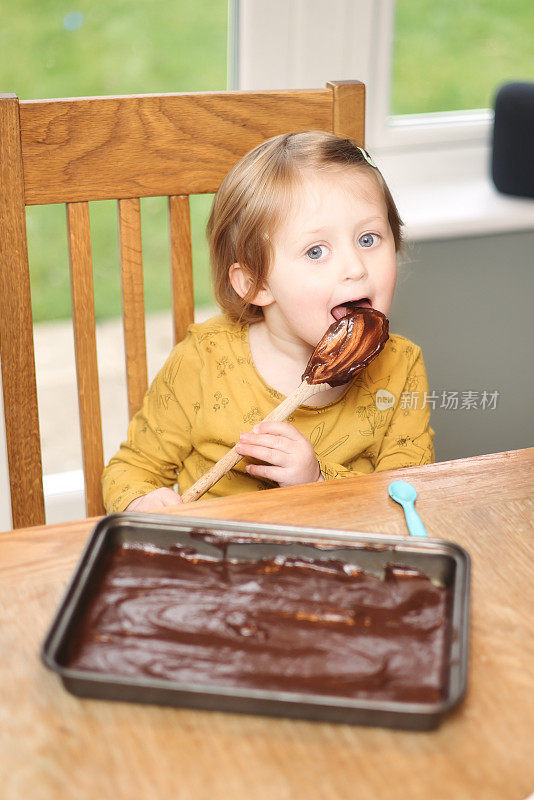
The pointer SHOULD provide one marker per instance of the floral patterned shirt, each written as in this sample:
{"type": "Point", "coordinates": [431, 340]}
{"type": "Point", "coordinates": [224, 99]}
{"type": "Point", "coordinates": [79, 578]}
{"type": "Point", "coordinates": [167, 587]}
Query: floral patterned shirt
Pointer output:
{"type": "Point", "coordinates": [208, 392]}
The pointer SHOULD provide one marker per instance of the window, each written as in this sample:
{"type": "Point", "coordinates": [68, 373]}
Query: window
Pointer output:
{"type": "Point", "coordinates": [438, 65]}
{"type": "Point", "coordinates": [451, 56]}
{"type": "Point", "coordinates": [120, 47]}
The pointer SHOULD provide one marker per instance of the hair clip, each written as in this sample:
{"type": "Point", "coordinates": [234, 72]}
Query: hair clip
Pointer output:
{"type": "Point", "coordinates": [367, 157]}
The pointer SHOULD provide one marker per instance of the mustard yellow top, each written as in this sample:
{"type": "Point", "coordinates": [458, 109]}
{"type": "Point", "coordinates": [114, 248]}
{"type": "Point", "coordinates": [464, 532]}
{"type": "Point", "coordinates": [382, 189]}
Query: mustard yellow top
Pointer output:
{"type": "Point", "coordinates": [208, 392]}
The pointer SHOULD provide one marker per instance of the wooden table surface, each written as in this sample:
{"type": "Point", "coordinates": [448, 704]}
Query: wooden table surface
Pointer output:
{"type": "Point", "coordinates": [54, 745]}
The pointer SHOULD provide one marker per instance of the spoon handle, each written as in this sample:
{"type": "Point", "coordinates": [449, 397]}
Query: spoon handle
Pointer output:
{"type": "Point", "coordinates": [230, 459]}
{"type": "Point", "coordinates": [414, 521]}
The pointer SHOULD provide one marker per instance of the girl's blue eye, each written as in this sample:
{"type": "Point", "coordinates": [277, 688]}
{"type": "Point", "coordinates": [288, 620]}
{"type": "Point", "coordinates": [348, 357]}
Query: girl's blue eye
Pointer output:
{"type": "Point", "coordinates": [316, 252]}
{"type": "Point", "coordinates": [368, 240]}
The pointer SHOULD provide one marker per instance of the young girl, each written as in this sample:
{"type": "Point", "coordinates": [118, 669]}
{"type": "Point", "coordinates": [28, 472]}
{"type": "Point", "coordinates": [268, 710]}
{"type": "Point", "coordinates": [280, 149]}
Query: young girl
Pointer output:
{"type": "Point", "coordinates": [302, 229]}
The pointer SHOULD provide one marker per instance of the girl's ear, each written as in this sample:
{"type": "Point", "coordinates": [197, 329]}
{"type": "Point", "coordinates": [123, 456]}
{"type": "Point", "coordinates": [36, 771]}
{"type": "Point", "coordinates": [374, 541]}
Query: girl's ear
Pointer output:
{"type": "Point", "coordinates": [241, 282]}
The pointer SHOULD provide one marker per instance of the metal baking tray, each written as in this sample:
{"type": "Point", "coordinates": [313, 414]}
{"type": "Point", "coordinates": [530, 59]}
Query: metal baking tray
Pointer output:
{"type": "Point", "coordinates": [442, 561]}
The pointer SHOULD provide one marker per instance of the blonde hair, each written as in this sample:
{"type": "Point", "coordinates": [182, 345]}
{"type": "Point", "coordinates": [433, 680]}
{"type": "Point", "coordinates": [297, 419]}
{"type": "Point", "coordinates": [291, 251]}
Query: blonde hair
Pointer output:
{"type": "Point", "coordinates": [253, 199]}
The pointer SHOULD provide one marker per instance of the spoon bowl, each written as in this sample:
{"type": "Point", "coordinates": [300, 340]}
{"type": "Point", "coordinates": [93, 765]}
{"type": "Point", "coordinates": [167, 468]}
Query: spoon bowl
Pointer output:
{"type": "Point", "coordinates": [402, 492]}
{"type": "Point", "coordinates": [405, 494]}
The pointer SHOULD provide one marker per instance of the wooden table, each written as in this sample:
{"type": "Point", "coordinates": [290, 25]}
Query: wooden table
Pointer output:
{"type": "Point", "coordinates": [54, 745]}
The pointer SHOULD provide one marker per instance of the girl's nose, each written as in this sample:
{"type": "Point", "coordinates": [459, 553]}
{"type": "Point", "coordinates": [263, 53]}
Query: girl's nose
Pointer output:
{"type": "Point", "coordinates": [354, 267]}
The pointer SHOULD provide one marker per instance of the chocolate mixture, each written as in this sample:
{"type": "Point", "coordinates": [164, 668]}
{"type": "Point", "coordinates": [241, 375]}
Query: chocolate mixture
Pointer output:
{"type": "Point", "coordinates": [292, 624]}
{"type": "Point", "coordinates": [348, 346]}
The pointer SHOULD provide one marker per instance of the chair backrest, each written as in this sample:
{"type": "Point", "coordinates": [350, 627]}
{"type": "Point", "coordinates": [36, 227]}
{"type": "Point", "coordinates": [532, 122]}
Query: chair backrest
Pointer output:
{"type": "Point", "coordinates": [78, 150]}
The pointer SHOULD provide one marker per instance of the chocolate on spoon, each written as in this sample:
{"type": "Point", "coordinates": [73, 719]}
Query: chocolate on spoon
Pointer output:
{"type": "Point", "coordinates": [348, 346]}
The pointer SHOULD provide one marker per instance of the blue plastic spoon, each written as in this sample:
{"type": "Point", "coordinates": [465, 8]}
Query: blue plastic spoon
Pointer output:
{"type": "Point", "coordinates": [404, 493]}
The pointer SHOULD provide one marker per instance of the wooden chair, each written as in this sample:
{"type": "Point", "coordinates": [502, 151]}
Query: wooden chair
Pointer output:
{"type": "Point", "coordinates": [97, 148]}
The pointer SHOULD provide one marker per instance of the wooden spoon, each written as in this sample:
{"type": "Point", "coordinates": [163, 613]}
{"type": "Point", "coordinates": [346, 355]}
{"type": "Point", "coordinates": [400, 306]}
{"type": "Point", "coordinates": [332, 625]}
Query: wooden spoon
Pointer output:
{"type": "Point", "coordinates": [348, 346]}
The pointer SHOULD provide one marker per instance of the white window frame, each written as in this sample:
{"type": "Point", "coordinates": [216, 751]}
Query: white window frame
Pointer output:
{"type": "Point", "coordinates": [251, 20]}
{"type": "Point", "coordinates": [387, 132]}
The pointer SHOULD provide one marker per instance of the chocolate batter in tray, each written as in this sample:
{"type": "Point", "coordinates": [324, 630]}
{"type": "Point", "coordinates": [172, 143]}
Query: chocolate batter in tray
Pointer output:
{"type": "Point", "coordinates": [283, 623]}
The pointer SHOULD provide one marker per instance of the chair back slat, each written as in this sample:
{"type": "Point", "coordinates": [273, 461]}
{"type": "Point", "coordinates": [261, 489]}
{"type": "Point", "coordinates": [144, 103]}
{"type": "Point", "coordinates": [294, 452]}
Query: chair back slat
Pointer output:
{"type": "Point", "coordinates": [16, 331]}
{"type": "Point", "coordinates": [83, 313]}
{"type": "Point", "coordinates": [183, 303]}
{"type": "Point", "coordinates": [133, 302]}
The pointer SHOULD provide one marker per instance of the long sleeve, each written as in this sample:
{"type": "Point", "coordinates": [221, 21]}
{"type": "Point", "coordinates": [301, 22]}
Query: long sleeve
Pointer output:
{"type": "Point", "coordinates": [159, 435]}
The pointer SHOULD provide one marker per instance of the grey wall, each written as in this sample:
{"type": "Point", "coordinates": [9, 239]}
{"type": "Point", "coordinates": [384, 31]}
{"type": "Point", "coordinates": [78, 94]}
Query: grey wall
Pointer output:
{"type": "Point", "coordinates": [469, 304]}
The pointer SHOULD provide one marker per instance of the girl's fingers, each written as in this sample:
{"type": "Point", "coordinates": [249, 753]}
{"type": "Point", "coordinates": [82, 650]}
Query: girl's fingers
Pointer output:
{"type": "Point", "coordinates": [169, 500]}
{"type": "Point", "coordinates": [260, 452]}
{"type": "Point", "coordinates": [158, 498]}
{"type": "Point", "coordinates": [270, 441]}
{"type": "Point", "coordinates": [284, 429]}
{"type": "Point", "coordinates": [265, 471]}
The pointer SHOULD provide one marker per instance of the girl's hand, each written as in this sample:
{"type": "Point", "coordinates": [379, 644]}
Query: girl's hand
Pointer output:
{"type": "Point", "coordinates": [279, 444]}
{"type": "Point", "coordinates": [156, 499]}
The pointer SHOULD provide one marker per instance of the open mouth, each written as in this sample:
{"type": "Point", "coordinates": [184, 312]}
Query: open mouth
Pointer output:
{"type": "Point", "coordinates": [341, 310]}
